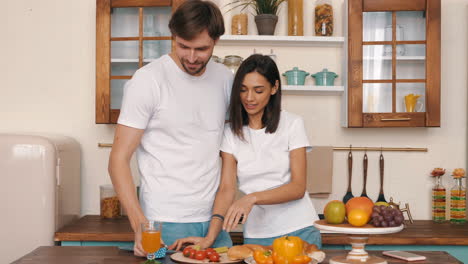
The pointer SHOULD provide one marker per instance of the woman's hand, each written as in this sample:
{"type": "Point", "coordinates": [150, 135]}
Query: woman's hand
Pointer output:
{"type": "Point", "coordinates": [203, 242]}
{"type": "Point", "coordinates": [239, 209]}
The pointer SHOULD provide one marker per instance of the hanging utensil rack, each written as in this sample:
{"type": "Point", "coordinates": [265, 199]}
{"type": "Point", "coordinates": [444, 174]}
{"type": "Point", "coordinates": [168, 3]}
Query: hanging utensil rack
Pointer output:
{"type": "Point", "coordinates": [379, 149]}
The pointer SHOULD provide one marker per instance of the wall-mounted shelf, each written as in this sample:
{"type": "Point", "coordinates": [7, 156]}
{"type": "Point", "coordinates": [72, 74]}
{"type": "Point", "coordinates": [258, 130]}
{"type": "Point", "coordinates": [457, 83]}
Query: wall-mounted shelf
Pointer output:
{"type": "Point", "coordinates": [269, 40]}
{"type": "Point", "coordinates": [313, 90]}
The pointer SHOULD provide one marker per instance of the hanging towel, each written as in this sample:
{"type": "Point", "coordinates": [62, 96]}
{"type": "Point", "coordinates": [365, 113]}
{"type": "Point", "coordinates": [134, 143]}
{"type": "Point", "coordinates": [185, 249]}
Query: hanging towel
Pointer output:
{"type": "Point", "coordinates": [320, 171]}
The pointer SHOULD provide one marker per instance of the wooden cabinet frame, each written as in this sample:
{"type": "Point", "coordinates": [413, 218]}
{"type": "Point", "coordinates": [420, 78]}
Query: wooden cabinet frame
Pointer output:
{"type": "Point", "coordinates": [104, 113]}
{"type": "Point", "coordinates": [356, 117]}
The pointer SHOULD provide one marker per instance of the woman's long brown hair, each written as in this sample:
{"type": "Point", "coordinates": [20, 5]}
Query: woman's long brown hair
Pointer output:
{"type": "Point", "coordinates": [238, 117]}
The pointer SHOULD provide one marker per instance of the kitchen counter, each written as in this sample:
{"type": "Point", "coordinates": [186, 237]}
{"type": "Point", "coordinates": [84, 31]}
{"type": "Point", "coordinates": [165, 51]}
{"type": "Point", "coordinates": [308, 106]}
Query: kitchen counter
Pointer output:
{"type": "Point", "coordinates": [421, 232]}
{"type": "Point", "coordinates": [107, 255]}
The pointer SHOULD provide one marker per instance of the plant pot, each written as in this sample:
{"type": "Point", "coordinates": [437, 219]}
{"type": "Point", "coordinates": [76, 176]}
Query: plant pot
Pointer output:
{"type": "Point", "coordinates": [266, 24]}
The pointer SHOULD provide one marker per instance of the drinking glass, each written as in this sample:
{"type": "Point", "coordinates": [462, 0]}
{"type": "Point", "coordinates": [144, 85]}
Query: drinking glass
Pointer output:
{"type": "Point", "coordinates": [151, 237]}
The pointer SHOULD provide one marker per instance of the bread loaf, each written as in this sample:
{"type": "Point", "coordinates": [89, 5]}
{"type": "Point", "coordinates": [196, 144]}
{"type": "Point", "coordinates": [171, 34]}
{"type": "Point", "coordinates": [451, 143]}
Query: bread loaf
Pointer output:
{"type": "Point", "coordinates": [309, 248]}
{"type": "Point", "coordinates": [243, 251]}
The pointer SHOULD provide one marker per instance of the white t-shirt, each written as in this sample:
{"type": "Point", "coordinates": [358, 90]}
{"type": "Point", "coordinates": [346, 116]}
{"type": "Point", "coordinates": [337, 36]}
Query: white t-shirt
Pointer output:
{"type": "Point", "coordinates": [262, 164]}
{"type": "Point", "coordinates": [183, 117]}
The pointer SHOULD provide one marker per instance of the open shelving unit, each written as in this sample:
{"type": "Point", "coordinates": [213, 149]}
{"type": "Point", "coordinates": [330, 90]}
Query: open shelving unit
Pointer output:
{"type": "Point", "coordinates": [274, 40]}
{"type": "Point", "coordinates": [313, 89]}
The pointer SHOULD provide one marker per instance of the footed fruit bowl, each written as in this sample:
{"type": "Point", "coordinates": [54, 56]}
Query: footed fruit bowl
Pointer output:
{"type": "Point", "coordinates": [358, 238]}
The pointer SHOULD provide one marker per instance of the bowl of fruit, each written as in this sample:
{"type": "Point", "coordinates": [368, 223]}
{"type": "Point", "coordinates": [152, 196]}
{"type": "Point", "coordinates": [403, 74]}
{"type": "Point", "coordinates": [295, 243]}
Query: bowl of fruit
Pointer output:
{"type": "Point", "coordinates": [360, 216]}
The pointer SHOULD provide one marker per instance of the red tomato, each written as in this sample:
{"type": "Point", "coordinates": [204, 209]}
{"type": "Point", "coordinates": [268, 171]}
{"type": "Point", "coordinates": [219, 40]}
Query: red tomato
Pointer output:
{"type": "Point", "coordinates": [214, 257]}
{"type": "Point", "coordinates": [192, 253]}
{"type": "Point", "coordinates": [200, 255]}
{"type": "Point", "coordinates": [186, 252]}
{"type": "Point", "coordinates": [209, 251]}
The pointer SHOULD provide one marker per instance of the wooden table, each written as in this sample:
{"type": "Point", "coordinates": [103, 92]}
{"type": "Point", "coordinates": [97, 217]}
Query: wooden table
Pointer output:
{"type": "Point", "coordinates": [425, 235]}
{"type": "Point", "coordinates": [112, 255]}
{"type": "Point", "coordinates": [422, 232]}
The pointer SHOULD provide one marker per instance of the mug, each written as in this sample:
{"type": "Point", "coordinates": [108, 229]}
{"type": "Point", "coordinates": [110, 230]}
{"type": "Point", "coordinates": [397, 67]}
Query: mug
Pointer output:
{"type": "Point", "coordinates": [412, 104]}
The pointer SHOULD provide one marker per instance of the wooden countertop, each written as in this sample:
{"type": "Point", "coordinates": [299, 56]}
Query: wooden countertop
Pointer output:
{"type": "Point", "coordinates": [107, 255]}
{"type": "Point", "coordinates": [421, 232]}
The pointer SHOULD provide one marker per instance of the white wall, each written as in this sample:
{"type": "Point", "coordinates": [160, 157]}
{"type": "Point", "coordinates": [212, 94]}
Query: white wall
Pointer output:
{"type": "Point", "coordinates": [48, 85]}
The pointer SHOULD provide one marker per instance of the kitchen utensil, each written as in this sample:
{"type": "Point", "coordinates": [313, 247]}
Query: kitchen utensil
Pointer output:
{"type": "Point", "coordinates": [349, 193]}
{"type": "Point", "coordinates": [295, 76]}
{"type": "Point", "coordinates": [324, 78]}
{"type": "Point", "coordinates": [381, 197]}
{"type": "Point", "coordinates": [364, 193]}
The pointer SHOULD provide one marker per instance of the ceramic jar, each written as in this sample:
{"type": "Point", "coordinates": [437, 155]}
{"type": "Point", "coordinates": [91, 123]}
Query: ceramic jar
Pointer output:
{"type": "Point", "coordinates": [324, 78]}
{"type": "Point", "coordinates": [295, 76]}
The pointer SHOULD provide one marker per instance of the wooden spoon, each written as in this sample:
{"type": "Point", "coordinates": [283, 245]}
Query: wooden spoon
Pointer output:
{"type": "Point", "coordinates": [364, 193]}
{"type": "Point", "coordinates": [349, 193]}
{"type": "Point", "coordinates": [381, 197]}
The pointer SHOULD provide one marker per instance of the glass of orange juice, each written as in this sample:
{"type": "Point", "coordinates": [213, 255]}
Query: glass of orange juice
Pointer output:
{"type": "Point", "coordinates": [151, 237]}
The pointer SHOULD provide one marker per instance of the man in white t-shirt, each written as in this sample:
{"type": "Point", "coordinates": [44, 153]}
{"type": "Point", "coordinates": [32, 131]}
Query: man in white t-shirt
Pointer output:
{"type": "Point", "coordinates": [172, 115]}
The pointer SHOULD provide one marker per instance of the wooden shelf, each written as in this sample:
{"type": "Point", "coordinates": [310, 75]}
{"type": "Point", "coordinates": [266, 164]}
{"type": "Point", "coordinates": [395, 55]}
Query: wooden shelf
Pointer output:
{"type": "Point", "coordinates": [305, 41]}
{"type": "Point", "coordinates": [313, 89]}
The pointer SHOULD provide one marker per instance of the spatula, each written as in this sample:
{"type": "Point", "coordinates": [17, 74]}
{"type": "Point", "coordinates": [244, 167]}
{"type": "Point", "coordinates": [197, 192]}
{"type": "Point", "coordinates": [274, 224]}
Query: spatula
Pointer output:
{"type": "Point", "coordinates": [364, 193]}
{"type": "Point", "coordinates": [349, 193]}
{"type": "Point", "coordinates": [381, 197]}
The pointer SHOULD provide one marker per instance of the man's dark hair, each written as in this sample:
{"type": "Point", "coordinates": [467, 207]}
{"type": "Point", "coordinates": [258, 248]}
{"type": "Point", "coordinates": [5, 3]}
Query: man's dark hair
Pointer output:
{"type": "Point", "coordinates": [194, 16]}
{"type": "Point", "coordinates": [238, 117]}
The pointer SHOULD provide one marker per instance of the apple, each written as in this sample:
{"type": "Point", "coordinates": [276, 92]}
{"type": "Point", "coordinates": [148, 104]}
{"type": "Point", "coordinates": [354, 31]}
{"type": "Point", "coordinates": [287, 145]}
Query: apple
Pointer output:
{"type": "Point", "coordinates": [335, 212]}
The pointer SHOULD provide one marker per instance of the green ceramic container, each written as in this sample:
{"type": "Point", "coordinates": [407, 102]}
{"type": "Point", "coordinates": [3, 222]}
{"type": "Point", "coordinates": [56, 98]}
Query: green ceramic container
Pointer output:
{"type": "Point", "coordinates": [295, 76]}
{"type": "Point", "coordinates": [324, 78]}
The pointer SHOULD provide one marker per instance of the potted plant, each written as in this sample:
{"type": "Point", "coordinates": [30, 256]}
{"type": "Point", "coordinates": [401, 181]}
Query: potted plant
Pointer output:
{"type": "Point", "coordinates": [266, 13]}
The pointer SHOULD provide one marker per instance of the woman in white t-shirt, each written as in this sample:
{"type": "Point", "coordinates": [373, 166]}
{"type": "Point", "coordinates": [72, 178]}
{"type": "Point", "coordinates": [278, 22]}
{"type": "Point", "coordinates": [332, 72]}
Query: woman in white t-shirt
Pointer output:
{"type": "Point", "coordinates": [264, 154]}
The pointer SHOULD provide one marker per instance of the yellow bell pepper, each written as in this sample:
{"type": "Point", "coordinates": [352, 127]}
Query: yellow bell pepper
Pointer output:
{"type": "Point", "coordinates": [287, 247]}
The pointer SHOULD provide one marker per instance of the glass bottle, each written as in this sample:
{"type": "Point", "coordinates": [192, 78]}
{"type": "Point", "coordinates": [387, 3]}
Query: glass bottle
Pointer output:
{"type": "Point", "coordinates": [458, 202]}
{"type": "Point", "coordinates": [438, 201]}
{"type": "Point", "coordinates": [295, 18]}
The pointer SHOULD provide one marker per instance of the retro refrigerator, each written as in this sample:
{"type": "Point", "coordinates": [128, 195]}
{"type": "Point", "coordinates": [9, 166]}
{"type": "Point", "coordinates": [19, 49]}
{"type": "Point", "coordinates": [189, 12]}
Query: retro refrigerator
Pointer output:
{"type": "Point", "coordinates": [39, 190]}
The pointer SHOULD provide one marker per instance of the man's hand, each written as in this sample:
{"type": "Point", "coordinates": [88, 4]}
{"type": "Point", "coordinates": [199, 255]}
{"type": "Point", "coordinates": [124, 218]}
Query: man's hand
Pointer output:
{"type": "Point", "coordinates": [138, 248]}
{"type": "Point", "coordinates": [201, 241]}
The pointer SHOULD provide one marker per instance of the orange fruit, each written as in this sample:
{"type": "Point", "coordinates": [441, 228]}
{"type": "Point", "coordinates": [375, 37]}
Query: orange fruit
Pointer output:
{"type": "Point", "coordinates": [362, 203]}
{"type": "Point", "coordinates": [335, 212]}
{"type": "Point", "coordinates": [358, 217]}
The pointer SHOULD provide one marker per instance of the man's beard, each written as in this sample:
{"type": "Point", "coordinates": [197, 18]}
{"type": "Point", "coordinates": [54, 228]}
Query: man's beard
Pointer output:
{"type": "Point", "coordinates": [203, 66]}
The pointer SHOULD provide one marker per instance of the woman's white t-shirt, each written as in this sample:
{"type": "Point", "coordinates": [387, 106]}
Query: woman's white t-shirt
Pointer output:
{"type": "Point", "coordinates": [263, 163]}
